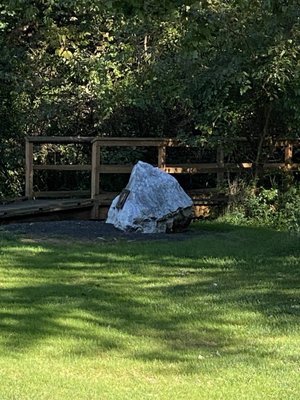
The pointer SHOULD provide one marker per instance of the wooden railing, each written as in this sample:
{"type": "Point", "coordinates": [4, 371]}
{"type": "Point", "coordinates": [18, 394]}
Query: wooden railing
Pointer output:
{"type": "Point", "coordinates": [94, 166]}
{"type": "Point", "coordinates": [30, 167]}
{"type": "Point", "coordinates": [97, 168]}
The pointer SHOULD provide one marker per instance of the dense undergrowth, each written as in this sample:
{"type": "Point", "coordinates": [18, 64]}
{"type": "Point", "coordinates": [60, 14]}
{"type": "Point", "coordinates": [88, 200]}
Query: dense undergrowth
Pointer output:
{"type": "Point", "coordinates": [265, 207]}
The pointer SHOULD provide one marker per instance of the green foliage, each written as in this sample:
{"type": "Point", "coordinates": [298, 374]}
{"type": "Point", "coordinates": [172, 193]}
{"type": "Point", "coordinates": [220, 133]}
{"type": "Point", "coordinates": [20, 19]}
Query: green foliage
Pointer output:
{"type": "Point", "coordinates": [289, 210]}
{"type": "Point", "coordinates": [266, 207]}
{"type": "Point", "coordinates": [261, 207]}
{"type": "Point", "coordinates": [201, 71]}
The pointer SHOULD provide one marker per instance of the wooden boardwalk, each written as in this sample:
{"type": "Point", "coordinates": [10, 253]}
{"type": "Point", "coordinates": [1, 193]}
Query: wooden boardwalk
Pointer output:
{"type": "Point", "coordinates": [33, 209]}
{"type": "Point", "coordinates": [43, 209]}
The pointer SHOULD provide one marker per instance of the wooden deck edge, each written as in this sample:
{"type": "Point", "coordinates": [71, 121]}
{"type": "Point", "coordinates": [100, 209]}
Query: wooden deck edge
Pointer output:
{"type": "Point", "coordinates": [47, 208]}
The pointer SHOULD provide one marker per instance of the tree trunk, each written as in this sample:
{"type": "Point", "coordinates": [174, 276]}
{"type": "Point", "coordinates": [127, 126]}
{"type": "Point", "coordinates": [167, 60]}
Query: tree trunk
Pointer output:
{"type": "Point", "coordinates": [263, 136]}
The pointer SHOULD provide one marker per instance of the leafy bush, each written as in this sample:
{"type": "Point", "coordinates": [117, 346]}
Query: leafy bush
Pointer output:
{"type": "Point", "coordinates": [261, 207]}
{"type": "Point", "coordinates": [288, 216]}
{"type": "Point", "coordinates": [265, 207]}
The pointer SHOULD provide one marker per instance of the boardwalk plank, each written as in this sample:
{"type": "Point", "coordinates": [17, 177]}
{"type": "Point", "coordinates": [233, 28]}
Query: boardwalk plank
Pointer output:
{"type": "Point", "coordinates": [33, 207]}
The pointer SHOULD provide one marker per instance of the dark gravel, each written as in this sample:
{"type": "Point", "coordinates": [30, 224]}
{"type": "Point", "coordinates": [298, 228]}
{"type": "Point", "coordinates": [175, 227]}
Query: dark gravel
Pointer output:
{"type": "Point", "coordinates": [96, 231]}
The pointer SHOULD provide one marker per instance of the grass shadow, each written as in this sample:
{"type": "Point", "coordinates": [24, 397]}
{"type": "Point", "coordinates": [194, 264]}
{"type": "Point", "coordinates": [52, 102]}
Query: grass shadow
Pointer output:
{"type": "Point", "coordinates": [178, 300]}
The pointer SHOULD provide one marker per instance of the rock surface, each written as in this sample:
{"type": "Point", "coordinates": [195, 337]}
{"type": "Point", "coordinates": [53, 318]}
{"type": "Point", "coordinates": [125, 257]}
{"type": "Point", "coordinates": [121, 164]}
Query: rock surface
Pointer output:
{"type": "Point", "coordinates": [153, 202]}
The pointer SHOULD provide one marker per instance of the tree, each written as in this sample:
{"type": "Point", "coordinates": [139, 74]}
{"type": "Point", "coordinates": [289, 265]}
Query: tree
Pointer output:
{"type": "Point", "coordinates": [203, 71]}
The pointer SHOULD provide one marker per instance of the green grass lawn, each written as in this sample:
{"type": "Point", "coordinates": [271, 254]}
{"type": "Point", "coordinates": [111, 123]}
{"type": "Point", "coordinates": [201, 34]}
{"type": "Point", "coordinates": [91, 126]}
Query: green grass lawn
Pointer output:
{"type": "Point", "coordinates": [212, 317]}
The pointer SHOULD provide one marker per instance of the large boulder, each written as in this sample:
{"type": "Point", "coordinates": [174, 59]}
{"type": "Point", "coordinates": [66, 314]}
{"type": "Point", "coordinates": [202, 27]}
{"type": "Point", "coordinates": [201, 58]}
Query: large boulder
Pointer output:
{"type": "Point", "coordinates": [153, 202]}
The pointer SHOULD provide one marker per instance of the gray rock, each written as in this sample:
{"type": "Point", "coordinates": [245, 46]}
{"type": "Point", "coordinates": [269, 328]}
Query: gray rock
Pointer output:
{"type": "Point", "coordinates": [153, 202]}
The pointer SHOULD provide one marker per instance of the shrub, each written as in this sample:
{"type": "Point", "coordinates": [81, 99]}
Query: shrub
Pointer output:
{"type": "Point", "coordinates": [288, 216]}
{"type": "Point", "coordinates": [265, 207]}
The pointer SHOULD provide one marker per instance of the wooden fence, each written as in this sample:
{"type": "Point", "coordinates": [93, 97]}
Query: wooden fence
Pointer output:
{"type": "Point", "coordinates": [96, 167]}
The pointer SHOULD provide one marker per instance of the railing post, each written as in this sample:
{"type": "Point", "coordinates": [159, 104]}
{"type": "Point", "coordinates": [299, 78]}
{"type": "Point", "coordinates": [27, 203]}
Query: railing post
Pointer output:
{"type": "Point", "coordinates": [162, 153]}
{"type": "Point", "coordinates": [28, 169]}
{"type": "Point", "coordinates": [220, 162]}
{"type": "Point", "coordinates": [288, 161]}
{"type": "Point", "coordinates": [288, 155]}
{"type": "Point", "coordinates": [95, 178]}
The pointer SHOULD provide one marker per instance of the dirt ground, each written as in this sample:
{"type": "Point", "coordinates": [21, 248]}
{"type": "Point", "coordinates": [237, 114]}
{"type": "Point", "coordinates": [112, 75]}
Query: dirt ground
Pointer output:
{"type": "Point", "coordinates": [92, 231]}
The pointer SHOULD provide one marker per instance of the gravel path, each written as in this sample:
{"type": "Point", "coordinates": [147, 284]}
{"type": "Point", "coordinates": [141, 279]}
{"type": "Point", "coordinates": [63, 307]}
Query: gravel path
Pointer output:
{"type": "Point", "coordinates": [95, 231]}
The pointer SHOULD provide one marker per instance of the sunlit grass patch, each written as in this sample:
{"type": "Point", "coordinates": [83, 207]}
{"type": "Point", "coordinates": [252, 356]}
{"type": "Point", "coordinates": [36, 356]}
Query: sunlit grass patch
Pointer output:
{"type": "Point", "coordinates": [212, 317]}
